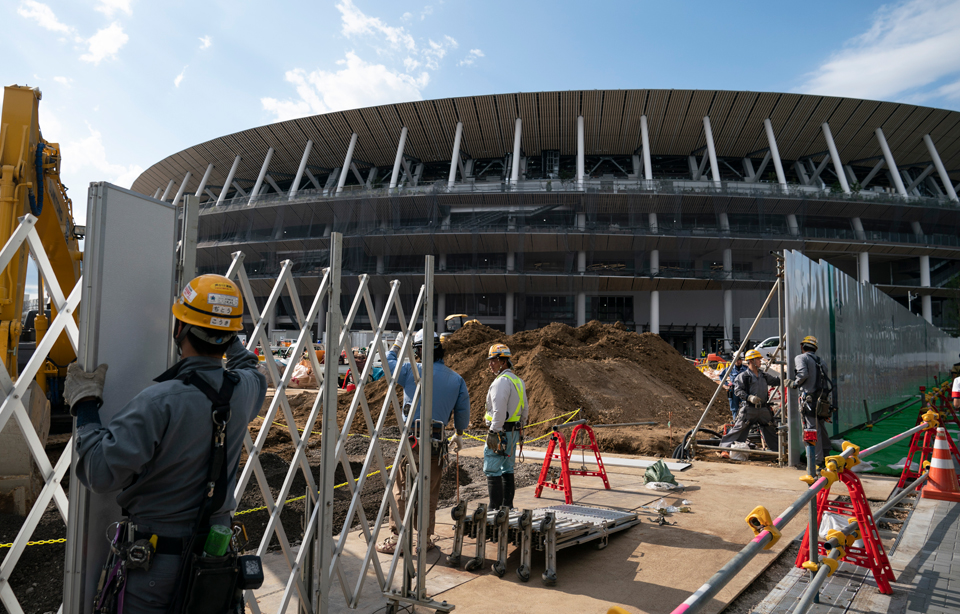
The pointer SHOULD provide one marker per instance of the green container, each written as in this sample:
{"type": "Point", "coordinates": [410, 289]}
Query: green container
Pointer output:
{"type": "Point", "coordinates": [218, 539]}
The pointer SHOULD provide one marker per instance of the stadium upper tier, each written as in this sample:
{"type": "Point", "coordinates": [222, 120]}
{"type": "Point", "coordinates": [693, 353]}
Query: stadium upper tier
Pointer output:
{"type": "Point", "coordinates": [581, 139]}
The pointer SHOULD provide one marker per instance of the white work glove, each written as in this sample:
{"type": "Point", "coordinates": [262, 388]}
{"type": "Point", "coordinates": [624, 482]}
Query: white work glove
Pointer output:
{"type": "Point", "coordinates": [398, 341]}
{"type": "Point", "coordinates": [790, 383]}
{"type": "Point", "coordinates": [80, 385]}
{"type": "Point", "coordinates": [456, 442]}
{"type": "Point", "coordinates": [754, 400]}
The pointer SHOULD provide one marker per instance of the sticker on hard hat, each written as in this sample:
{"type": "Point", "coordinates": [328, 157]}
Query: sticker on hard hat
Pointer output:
{"type": "Point", "coordinates": [219, 322]}
{"type": "Point", "coordinates": [222, 299]}
{"type": "Point", "coordinates": [219, 285]}
{"type": "Point", "coordinates": [221, 309]}
{"type": "Point", "coordinates": [189, 293]}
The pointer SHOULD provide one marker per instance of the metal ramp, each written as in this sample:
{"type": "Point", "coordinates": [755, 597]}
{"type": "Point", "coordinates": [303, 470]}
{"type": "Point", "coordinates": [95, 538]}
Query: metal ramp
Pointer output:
{"type": "Point", "coordinates": [546, 530]}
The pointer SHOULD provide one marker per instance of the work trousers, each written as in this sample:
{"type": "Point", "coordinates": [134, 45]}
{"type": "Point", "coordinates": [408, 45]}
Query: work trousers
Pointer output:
{"type": "Point", "coordinates": [734, 406]}
{"type": "Point", "coordinates": [436, 473]}
{"type": "Point", "coordinates": [495, 465]}
{"type": "Point", "coordinates": [150, 592]}
{"type": "Point", "coordinates": [808, 415]}
{"type": "Point", "coordinates": [747, 417]}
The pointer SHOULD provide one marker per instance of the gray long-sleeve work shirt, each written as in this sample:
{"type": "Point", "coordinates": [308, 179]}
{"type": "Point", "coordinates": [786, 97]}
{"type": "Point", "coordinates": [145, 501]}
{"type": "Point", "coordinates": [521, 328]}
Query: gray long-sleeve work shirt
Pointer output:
{"type": "Point", "coordinates": [748, 384]}
{"type": "Point", "coordinates": [157, 447]}
{"type": "Point", "coordinates": [805, 366]}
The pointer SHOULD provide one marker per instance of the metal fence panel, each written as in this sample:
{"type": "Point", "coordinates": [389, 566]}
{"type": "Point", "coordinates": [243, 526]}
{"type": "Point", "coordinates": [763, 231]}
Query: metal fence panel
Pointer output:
{"type": "Point", "coordinates": [877, 351]}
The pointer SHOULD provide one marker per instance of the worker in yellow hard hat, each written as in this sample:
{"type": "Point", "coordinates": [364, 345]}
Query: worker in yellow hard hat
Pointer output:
{"type": "Point", "coordinates": [507, 410]}
{"type": "Point", "coordinates": [173, 453]}
{"type": "Point", "coordinates": [752, 387]}
{"type": "Point", "coordinates": [816, 409]}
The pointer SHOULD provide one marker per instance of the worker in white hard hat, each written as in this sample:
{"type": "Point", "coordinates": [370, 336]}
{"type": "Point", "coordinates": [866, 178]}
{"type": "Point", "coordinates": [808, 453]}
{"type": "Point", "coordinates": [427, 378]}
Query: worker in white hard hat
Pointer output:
{"type": "Point", "coordinates": [173, 454]}
{"type": "Point", "coordinates": [450, 400]}
{"type": "Point", "coordinates": [752, 388]}
{"type": "Point", "coordinates": [814, 385]}
{"type": "Point", "coordinates": [507, 411]}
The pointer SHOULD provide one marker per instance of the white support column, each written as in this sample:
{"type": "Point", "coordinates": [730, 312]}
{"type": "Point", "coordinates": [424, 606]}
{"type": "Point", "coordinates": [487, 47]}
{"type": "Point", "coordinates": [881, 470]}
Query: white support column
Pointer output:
{"type": "Point", "coordinates": [727, 320]}
{"type": "Point", "coordinates": [300, 169]}
{"type": "Point", "coordinates": [711, 151]}
{"type": "Point", "coordinates": [229, 181]}
{"type": "Point", "coordinates": [793, 225]}
{"type": "Point", "coordinates": [774, 152]}
{"type": "Point", "coordinates": [654, 262]}
{"type": "Point", "coordinates": [255, 192]}
{"type": "Point", "coordinates": [581, 308]}
{"type": "Point", "coordinates": [580, 152]}
{"type": "Point", "coordinates": [156, 195]}
{"type": "Point", "coordinates": [441, 312]}
{"type": "Point", "coordinates": [322, 319]}
{"type": "Point", "coordinates": [581, 221]}
{"type": "Point", "coordinates": [166, 192]}
{"type": "Point", "coordinates": [509, 314]}
{"type": "Point", "coordinates": [835, 157]}
{"type": "Point", "coordinates": [926, 302]}
{"type": "Point", "coordinates": [441, 262]}
{"type": "Point", "coordinates": [347, 160]}
{"type": "Point", "coordinates": [891, 163]}
{"type": "Point", "coordinates": [863, 261]}
{"type": "Point", "coordinates": [655, 312]}
{"type": "Point", "coordinates": [399, 159]}
{"type": "Point", "coordinates": [581, 262]}
{"type": "Point", "coordinates": [515, 159]}
{"type": "Point", "coordinates": [728, 263]}
{"type": "Point", "coordinates": [916, 228]}
{"type": "Point", "coordinates": [511, 262]}
{"type": "Point", "coordinates": [645, 139]}
{"type": "Point", "coordinates": [941, 170]}
{"type": "Point", "coordinates": [858, 229]}
{"type": "Point", "coordinates": [652, 221]}
{"type": "Point", "coordinates": [380, 265]}
{"type": "Point", "coordinates": [724, 220]}
{"type": "Point", "coordinates": [203, 180]}
{"type": "Point", "coordinates": [183, 188]}
{"type": "Point", "coordinates": [455, 157]}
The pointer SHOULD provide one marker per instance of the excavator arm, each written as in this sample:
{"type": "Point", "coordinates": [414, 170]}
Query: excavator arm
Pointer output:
{"type": "Point", "coordinates": [30, 183]}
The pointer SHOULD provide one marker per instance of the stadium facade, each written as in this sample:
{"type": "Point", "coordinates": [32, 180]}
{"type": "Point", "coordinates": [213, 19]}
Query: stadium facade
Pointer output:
{"type": "Point", "coordinates": [657, 208]}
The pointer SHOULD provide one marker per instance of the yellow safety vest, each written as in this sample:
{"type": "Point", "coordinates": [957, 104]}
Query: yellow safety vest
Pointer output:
{"type": "Point", "coordinates": [518, 384]}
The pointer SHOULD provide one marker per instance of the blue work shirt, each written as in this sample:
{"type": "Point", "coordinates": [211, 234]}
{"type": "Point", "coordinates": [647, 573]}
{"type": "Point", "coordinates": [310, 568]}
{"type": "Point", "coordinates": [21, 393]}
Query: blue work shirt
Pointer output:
{"type": "Point", "coordinates": [450, 394]}
{"type": "Point", "coordinates": [730, 373]}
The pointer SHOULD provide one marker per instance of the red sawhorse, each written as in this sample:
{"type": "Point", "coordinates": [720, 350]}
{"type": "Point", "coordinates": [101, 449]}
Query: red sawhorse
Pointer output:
{"type": "Point", "coordinates": [922, 442]}
{"type": "Point", "coordinates": [870, 554]}
{"type": "Point", "coordinates": [563, 455]}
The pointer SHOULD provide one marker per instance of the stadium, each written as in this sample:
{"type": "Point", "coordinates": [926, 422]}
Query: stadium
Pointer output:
{"type": "Point", "coordinates": [656, 208]}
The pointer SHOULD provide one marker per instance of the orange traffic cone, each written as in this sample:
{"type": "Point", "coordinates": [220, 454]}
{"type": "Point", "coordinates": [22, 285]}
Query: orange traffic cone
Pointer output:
{"type": "Point", "coordinates": [942, 483]}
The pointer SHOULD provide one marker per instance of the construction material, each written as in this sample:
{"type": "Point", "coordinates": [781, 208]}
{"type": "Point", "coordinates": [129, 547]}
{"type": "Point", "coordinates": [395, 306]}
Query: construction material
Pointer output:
{"type": "Point", "coordinates": [634, 463]}
{"type": "Point", "coordinates": [547, 530]}
{"type": "Point", "coordinates": [563, 483]}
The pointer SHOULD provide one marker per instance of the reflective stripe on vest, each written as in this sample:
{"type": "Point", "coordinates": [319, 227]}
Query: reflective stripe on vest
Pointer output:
{"type": "Point", "coordinates": [516, 384]}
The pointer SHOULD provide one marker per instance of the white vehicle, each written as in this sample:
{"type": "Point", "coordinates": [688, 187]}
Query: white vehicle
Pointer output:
{"type": "Point", "coordinates": [767, 347]}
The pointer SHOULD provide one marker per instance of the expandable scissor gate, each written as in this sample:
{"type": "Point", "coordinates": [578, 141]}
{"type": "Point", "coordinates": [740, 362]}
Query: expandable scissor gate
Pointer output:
{"type": "Point", "coordinates": [318, 561]}
{"type": "Point", "coordinates": [546, 529]}
{"type": "Point", "coordinates": [13, 405]}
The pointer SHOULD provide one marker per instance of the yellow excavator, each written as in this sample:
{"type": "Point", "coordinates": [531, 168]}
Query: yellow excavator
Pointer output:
{"type": "Point", "coordinates": [30, 183]}
{"type": "Point", "coordinates": [454, 323]}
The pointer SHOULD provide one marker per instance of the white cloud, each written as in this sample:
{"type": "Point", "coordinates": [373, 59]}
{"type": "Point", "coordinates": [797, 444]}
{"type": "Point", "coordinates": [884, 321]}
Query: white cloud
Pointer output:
{"type": "Point", "coordinates": [437, 51]}
{"type": "Point", "coordinates": [64, 81]}
{"type": "Point", "coordinates": [908, 46]}
{"type": "Point", "coordinates": [356, 84]}
{"type": "Point", "coordinates": [427, 10]}
{"type": "Point", "coordinates": [410, 64]}
{"type": "Point", "coordinates": [179, 78]}
{"type": "Point", "coordinates": [43, 15]}
{"type": "Point", "coordinates": [406, 16]}
{"type": "Point", "coordinates": [471, 57]}
{"type": "Point", "coordinates": [90, 152]}
{"type": "Point", "coordinates": [109, 7]}
{"type": "Point", "coordinates": [356, 22]}
{"type": "Point", "coordinates": [105, 43]}
{"type": "Point", "coordinates": [205, 42]}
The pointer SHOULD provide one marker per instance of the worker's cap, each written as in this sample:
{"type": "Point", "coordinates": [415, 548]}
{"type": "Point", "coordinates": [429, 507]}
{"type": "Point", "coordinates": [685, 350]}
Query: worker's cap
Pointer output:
{"type": "Point", "coordinates": [498, 350]}
{"type": "Point", "coordinates": [751, 354]}
{"type": "Point", "coordinates": [212, 302]}
{"type": "Point", "coordinates": [418, 339]}
{"type": "Point", "coordinates": [811, 341]}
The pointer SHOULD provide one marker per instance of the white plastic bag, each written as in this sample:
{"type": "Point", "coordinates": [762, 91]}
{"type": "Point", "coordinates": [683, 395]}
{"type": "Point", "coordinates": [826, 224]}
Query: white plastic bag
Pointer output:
{"type": "Point", "coordinates": [740, 456]}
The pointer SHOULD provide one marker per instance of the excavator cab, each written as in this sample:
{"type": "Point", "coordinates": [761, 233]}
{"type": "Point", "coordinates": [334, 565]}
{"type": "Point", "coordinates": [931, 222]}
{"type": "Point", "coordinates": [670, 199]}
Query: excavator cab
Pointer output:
{"type": "Point", "coordinates": [455, 322]}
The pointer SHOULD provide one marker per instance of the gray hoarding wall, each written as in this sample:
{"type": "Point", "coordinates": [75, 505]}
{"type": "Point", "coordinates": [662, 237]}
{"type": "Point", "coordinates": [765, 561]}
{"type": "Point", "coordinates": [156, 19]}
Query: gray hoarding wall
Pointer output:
{"type": "Point", "coordinates": [876, 350]}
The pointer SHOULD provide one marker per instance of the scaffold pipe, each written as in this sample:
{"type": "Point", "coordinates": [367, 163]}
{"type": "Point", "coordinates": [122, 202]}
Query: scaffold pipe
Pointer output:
{"type": "Point", "coordinates": [889, 442]}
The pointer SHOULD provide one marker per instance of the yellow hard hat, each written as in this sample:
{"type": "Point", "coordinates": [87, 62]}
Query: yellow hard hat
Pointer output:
{"type": "Point", "coordinates": [810, 340]}
{"type": "Point", "coordinates": [751, 354]}
{"type": "Point", "coordinates": [210, 301]}
{"type": "Point", "coordinates": [498, 350]}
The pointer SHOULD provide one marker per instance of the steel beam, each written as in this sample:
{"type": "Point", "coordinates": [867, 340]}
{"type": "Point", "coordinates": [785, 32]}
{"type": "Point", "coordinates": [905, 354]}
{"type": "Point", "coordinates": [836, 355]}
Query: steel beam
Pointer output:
{"type": "Point", "coordinates": [774, 152]}
{"type": "Point", "coordinates": [229, 181]}
{"type": "Point", "coordinates": [395, 175]}
{"type": "Point", "coordinates": [711, 151]}
{"type": "Point", "coordinates": [645, 139]}
{"type": "Point", "coordinates": [347, 161]}
{"type": "Point", "coordinates": [941, 171]}
{"type": "Point", "coordinates": [920, 178]}
{"type": "Point", "coordinates": [515, 169]}
{"type": "Point", "coordinates": [295, 187]}
{"type": "Point", "coordinates": [183, 188]}
{"type": "Point", "coordinates": [891, 163]}
{"type": "Point", "coordinates": [835, 156]}
{"type": "Point", "coordinates": [255, 192]}
{"type": "Point", "coordinates": [204, 180]}
{"type": "Point", "coordinates": [454, 157]}
{"type": "Point", "coordinates": [580, 152]}
{"type": "Point", "coordinates": [166, 192]}
{"type": "Point", "coordinates": [873, 173]}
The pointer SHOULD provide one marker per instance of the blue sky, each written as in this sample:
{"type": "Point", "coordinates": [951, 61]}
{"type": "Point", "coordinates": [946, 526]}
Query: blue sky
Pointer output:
{"type": "Point", "coordinates": [127, 82]}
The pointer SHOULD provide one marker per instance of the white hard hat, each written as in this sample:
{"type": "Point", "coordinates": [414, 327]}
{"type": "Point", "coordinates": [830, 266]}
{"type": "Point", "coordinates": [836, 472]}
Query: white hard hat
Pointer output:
{"type": "Point", "coordinates": [418, 338]}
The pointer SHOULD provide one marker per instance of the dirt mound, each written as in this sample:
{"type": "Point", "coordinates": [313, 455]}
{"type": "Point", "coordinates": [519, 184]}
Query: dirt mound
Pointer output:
{"type": "Point", "coordinates": [611, 374]}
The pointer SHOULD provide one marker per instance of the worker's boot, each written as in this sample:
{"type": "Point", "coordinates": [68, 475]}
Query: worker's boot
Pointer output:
{"type": "Point", "coordinates": [495, 490]}
{"type": "Point", "coordinates": [509, 488]}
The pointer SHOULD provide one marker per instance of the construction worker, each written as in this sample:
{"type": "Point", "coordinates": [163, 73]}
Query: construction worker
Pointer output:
{"type": "Point", "coordinates": [752, 386]}
{"type": "Point", "coordinates": [955, 391]}
{"type": "Point", "coordinates": [507, 411]}
{"type": "Point", "coordinates": [729, 376]}
{"type": "Point", "coordinates": [160, 450]}
{"type": "Point", "coordinates": [450, 398]}
{"type": "Point", "coordinates": [807, 381]}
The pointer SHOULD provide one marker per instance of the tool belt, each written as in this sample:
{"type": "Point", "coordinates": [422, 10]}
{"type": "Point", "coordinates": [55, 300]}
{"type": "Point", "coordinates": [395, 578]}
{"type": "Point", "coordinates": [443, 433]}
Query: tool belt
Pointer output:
{"type": "Point", "coordinates": [498, 442]}
{"type": "Point", "coordinates": [512, 426]}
